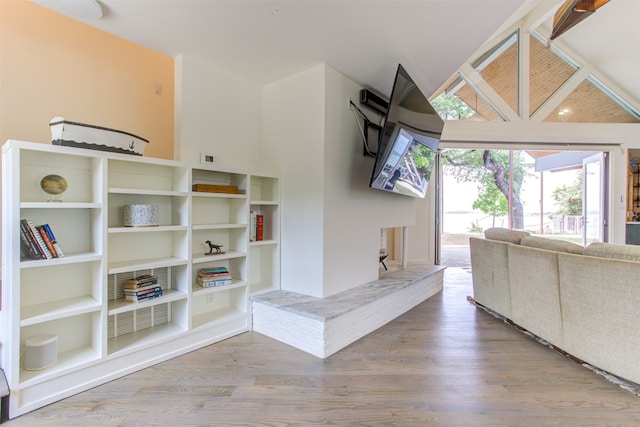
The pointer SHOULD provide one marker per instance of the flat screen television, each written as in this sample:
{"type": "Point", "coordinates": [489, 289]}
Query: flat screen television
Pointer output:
{"type": "Point", "coordinates": [408, 142]}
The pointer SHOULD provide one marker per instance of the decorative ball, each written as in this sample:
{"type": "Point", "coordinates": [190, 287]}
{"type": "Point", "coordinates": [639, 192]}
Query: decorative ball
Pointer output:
{"type": "Point", "coordinates": [53, 184]}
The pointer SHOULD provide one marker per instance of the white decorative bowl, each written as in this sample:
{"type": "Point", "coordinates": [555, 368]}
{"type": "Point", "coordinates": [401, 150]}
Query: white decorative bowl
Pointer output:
{"type": "Point", "coordinates": [140, 215]}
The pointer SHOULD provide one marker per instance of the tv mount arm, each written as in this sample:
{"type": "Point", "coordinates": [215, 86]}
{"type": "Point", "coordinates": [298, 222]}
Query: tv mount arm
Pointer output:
{"type": "Point", "coordinates": [379, 106]}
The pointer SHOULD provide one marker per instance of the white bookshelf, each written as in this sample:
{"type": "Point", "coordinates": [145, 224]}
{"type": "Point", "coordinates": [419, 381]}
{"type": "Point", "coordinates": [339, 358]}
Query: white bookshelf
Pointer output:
{"type": "Point", "coordinates": [79, 297]}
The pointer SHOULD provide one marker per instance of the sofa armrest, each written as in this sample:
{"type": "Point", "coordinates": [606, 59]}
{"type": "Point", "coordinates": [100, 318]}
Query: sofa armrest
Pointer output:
{"type": "Point", "coordinates": [490, 274]}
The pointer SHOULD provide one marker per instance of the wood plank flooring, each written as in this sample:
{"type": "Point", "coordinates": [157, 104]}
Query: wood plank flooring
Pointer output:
{"type": "Point", "coordinates": [444, 363]}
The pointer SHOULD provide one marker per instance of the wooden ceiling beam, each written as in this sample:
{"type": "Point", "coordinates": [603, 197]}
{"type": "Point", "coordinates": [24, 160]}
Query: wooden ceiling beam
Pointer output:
{"type": "Point", "coordinates": [571, 13]}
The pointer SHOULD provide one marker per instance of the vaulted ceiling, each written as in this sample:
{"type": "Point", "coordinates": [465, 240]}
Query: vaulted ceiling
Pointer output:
{"type": "Point", "coordinates": [554, 81]}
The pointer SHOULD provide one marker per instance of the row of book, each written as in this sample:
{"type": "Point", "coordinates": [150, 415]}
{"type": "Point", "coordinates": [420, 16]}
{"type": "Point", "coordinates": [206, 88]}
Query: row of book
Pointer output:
{"type": "Point", "coordinates": [142, 288]}
{"type": "Point", "coordinates": [214, 276]}
{"type": "Point", "coordinates": [38, 241]}
{"type": "Point", "coordinates": [256, 226]}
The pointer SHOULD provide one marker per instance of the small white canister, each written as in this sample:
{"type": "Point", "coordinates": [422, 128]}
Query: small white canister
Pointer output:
{"type": "Point", "coordinates": [40, 352]}
{"type": "Point", "coordinates": [140, 215]}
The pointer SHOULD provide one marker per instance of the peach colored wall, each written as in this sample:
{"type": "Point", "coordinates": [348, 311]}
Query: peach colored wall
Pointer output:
{"type": "Point", "coordinates": [51, 65]}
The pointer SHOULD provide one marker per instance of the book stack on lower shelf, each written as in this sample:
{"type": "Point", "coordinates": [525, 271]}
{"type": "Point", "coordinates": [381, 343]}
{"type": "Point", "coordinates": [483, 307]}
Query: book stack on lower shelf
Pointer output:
{"type": "Point", "coordinates": [142, 288]}
{"type": "Point", "coordinates": [215, 276]}
{"type": "Point", "coordinates": [38, 241]}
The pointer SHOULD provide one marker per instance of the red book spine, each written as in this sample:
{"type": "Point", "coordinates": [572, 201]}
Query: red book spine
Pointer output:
{"type": "Point", "coordinates": [260, 227]}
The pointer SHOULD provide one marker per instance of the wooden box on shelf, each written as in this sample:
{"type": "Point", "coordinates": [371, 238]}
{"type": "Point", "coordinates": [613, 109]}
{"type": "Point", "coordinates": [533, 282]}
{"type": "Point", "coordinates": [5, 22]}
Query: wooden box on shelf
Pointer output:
{"type": "Point", "coordinates": [210, 188]}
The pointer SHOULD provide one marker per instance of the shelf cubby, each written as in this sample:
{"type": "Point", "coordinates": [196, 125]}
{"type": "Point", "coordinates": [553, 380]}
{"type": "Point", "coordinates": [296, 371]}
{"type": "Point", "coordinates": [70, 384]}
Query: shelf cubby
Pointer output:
{"type": "Point", "coordinates": [220, 178]}
{"type": "Point", "coordinates": [217, 307]}
{"type": "Point", "coordinates": [78, 290]}
{"type": "Point", "coordinates": [77, 339]}
{"type": "Point", "coordinates": [82, 173]}
{"type": "Point", "coordinates": [172, 208]}
{"type": "Point", "coordinates": [264, 189]}
{"type": "Point", "coordinates": [230, 240]}
{"type": "Point", "coordinates": [138, 175]}
{"type": "Point", "coordinates": [269, 212]}
{"type": "Point", "coordinates": [77, 230]}
{"type": "Point", "coordinates": [218, 210]}
{"type": "Point", "coordinates": [264, 267]}
{"type": "Point", "coordinates": [141, 245]}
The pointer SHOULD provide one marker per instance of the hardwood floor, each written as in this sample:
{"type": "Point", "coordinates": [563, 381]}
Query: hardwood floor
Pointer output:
{"type": "Point", "coordinates": [444, 363]}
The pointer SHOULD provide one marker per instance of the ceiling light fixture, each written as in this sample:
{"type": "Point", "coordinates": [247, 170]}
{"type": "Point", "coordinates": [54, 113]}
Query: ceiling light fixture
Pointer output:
{"type": "Point", "coordinates": [76, 9]}
{"type": "Point", "coordinates": [573, 12]}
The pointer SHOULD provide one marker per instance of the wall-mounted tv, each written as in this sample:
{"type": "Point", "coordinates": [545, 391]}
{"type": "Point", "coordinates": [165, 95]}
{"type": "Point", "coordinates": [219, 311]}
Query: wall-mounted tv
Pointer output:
{"type": "Point", "coordinates": [408, 142]}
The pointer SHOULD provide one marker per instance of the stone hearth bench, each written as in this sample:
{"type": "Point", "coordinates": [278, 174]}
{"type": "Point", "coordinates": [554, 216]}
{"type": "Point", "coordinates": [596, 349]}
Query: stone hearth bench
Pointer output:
{"type": "Point", "coordinates": [323, 326]}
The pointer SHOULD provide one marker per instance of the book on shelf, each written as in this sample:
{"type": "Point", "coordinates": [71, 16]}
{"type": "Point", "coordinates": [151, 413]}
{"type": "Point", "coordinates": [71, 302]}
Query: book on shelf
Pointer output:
{"type": "Point", "coordinates": [213, 279]}
{"type": "Point", "coordinates": [141, 281]}
{"type": "Point", "coordinates": [144, 297]}
{"type": "Point", "coordinates": [47, 241]}
{"type": "Point", "coordinates": [38, 241]}
{"type": "Point", "coordinates": [213, 283]}
{"type": "Point", "coordinates": [259, 227]}
{"type": "Point", "coordinates": [141, 290]}
{"type": "Point", "coordinates": [256, 226]}
{"type": "Point", "coordinates": [213, 271]}
{"type": "Point", "coordinates": [53, 239]}
{"type": "Point", "coordinates": [28, 247]}
{"type": "Point", "coordinates": [214, 276]}
{"type": "Point", "coordinates": [252, 225]}
{"type": "Point", "coordinates": [35, 238]}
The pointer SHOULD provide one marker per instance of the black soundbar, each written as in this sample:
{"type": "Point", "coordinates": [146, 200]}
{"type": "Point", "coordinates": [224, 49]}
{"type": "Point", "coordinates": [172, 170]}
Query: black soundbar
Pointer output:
{"type": "Point", "coordinates": [373, 101]}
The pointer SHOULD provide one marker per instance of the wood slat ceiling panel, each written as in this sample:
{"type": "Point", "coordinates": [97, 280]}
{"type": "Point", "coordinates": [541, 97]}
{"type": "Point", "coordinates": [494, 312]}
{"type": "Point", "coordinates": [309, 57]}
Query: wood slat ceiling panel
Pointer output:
{"type": "Point", "coordinates": [547, 72]}
{"type": "Point", "coordinates": [588, 104]}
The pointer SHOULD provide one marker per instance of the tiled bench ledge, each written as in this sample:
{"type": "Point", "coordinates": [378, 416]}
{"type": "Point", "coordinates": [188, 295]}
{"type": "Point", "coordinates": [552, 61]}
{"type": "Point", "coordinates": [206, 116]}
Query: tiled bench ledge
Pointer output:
{"type": "Point", "coordinates": [323, 326]}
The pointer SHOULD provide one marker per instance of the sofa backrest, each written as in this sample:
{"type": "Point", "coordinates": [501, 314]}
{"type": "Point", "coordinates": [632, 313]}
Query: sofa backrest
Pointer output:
{"type": "Point", "coordinates": [505, 234]}
{"type": "Point", "coordinates": [552, 245]}
{"type": "Point", "coordinates": [613, 251]}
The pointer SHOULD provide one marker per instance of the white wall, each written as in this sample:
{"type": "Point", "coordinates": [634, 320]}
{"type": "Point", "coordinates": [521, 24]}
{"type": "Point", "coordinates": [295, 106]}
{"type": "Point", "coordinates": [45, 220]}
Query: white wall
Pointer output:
{"type": "Point", "coordinates": [293, 136]}
{"type": "Point", "coordinates": [216, 113]}
{"type": "Point", "coordinates": [331, 220]}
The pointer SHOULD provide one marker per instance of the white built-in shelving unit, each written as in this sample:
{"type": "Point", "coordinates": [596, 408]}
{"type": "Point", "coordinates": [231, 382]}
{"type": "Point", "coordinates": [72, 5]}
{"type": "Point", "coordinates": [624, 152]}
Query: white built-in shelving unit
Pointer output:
{"type": "Point", "coordinates": [79, 297]}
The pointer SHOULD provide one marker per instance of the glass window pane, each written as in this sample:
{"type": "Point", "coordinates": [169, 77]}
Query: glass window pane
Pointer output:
{"type": "Point", "coordinates": [459, 101]}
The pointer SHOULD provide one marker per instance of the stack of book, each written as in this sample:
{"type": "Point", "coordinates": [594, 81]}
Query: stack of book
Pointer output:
{"type": "Point", "coordinates": [214, 276]}
{"type": "Point", "coordinates": [38, 241]}
{"type": "Point", "coordinates": [142, 288]}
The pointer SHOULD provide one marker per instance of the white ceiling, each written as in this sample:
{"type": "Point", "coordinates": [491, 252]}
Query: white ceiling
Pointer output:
{"type": "Point", "coordinates": [264, 40]}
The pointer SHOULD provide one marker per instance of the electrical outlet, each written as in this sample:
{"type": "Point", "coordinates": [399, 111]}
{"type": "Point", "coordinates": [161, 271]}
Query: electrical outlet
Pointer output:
{"type": "Point", "coordinates": [209, 298]}
{"type": "Point", "coordinates": [207, 159]}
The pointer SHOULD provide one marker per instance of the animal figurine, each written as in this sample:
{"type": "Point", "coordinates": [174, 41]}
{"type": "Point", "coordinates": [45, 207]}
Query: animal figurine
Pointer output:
{"type": "Point", "coordinates": [213, 247]}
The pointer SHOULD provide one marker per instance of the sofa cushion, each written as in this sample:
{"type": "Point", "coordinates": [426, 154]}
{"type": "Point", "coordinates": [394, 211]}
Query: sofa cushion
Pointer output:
{"type": "Point", "coordinates": [552, 244]}
{"type": "Point", "coordinates": [505, 234]}
{"type": "Point", "coordinates": [614, 251]}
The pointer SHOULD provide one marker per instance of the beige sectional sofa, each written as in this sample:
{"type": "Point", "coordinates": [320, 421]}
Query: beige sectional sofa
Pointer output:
{"type": "Point", "coordinates": [583, 300]}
